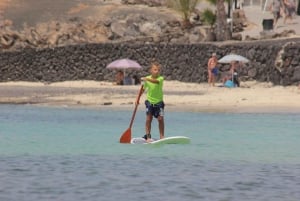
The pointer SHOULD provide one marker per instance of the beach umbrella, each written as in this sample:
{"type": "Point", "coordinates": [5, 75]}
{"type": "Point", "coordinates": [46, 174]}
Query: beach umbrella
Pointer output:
{"type": "Point", "coordinates": [233, 57]}
{"type": "Point", "coordinates": [123, 64]}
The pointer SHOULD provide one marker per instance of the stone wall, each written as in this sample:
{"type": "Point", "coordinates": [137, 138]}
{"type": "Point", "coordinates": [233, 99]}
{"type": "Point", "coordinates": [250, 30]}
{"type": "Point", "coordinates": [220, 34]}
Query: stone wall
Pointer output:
{"type": "Point", "coordinates": [276, 61]}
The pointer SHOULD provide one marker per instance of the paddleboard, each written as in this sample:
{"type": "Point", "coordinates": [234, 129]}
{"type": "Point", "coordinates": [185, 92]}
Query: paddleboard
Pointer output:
{"type": "Point", "coordinates": [166, 140]}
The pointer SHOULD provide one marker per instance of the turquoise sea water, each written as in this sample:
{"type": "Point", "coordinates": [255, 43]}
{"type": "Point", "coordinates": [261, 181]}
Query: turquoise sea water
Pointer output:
{"type": "Point", "coordinates": [73, 154]}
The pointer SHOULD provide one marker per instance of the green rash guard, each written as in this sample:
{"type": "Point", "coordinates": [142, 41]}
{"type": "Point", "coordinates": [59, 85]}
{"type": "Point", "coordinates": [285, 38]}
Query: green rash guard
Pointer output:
{"type": "Point", "coordinates": [154, 90]}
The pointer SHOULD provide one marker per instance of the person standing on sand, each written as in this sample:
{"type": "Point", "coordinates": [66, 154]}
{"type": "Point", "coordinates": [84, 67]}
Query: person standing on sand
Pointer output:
{"type": "Point", "coordinates": [153, 84]}
{"type": "Point", "coordinates": [276, 6]}
{"type": "Point", "coordinates": [289, 10]}
{"type": "Point", "coordinates": [212, 69]}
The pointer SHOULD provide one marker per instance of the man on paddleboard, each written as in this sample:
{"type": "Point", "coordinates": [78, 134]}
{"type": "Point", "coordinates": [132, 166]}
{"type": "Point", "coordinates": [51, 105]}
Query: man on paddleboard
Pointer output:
{"type": "Point", "coordinates": [153, 84]}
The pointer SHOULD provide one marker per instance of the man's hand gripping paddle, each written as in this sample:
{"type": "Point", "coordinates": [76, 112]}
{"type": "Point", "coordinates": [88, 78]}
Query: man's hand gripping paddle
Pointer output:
{"type": "Point", "coordinates": [126, 136]}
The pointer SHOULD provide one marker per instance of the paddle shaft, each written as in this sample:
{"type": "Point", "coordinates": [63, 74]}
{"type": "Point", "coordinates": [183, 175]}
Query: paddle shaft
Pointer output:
{"type": "Point", "coordinates": [126, 136]}
{"type": "Point", "coordinates": [136, 106]}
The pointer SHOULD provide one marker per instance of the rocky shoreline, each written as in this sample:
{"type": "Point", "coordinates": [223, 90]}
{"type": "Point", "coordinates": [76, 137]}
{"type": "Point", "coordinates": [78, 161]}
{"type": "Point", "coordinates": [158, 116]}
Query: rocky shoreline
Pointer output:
{"type": "Point", "coordinates": [275, 62]}
{"type": "Point", "coordinates": [73, 49]}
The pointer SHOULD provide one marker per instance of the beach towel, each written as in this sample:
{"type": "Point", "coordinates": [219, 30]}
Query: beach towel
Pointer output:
{"type": "Point", "coordinates": [229, 84]}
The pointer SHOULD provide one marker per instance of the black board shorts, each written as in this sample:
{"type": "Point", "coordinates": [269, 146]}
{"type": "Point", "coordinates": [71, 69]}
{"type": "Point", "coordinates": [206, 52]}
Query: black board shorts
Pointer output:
{"type": "Point", "coordinates": [155, 109]}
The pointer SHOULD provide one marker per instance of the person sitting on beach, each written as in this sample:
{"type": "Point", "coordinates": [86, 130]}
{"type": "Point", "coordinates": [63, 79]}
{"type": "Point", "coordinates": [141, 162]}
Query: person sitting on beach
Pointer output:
{"type": "Point", "coordinates": [212, 69]}
{"type": "Point", "coordinates": [120, 78]}
{"type": "Point", "coordinates": [127, 80]}
{"type": "Point", "coordinates": [136, 80]}
{"type": "Point", "coordinates": [232, 75]}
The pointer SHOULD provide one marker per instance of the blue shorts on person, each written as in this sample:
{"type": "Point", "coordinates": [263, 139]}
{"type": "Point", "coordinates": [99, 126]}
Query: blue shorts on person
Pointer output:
{"type": "Point", "coordinates": [155, 109]}
{"type": "Point", "coordinates": [215, 71]}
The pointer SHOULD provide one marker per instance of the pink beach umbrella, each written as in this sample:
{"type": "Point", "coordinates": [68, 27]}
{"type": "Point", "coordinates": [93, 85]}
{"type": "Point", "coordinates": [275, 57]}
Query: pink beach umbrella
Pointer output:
{"type": "Point", "coordinates": [123, 64]}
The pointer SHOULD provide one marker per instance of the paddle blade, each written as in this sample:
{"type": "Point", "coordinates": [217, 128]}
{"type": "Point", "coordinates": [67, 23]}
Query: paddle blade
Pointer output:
{"type": "Point", "coordinates": [126, 137]}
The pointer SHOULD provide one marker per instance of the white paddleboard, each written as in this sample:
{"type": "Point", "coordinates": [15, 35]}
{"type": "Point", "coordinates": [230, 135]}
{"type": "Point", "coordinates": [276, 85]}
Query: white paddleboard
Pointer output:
{"type": "Point", "coordinates": [166, 140]}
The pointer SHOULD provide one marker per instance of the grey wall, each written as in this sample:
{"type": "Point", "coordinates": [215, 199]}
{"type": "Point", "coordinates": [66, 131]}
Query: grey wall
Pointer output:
{"type": "Point", "coordinates": [277, 61]}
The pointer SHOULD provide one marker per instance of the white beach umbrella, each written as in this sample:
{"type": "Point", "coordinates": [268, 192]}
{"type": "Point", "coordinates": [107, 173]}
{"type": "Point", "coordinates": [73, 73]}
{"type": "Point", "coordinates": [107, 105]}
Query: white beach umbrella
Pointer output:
{"type": "Point", "coordinates": [233, 57]}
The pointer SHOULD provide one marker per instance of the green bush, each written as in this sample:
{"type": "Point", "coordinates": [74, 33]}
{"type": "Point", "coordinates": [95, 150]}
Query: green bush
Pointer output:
{"type": "Point", "coordinates": [208, 17]}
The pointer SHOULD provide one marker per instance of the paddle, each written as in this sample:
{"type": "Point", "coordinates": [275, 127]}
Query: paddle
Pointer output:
{"type": "Point", "coordinates": [126, 136]}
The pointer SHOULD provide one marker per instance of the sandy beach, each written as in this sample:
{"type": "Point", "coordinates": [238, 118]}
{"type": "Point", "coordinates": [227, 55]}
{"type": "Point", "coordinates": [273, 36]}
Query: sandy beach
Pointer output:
{"type": "Point", "coordinates": [251, 97]}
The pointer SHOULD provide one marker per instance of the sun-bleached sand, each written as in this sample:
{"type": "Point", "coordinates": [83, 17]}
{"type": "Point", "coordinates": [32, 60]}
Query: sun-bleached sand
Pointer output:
{"type": "Point", "coordinates": [251, 97]}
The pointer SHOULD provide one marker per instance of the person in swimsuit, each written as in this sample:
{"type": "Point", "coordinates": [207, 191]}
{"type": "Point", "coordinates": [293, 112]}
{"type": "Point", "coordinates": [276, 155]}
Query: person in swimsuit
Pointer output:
{"type": "Point", "coordinates": [212, 69]}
